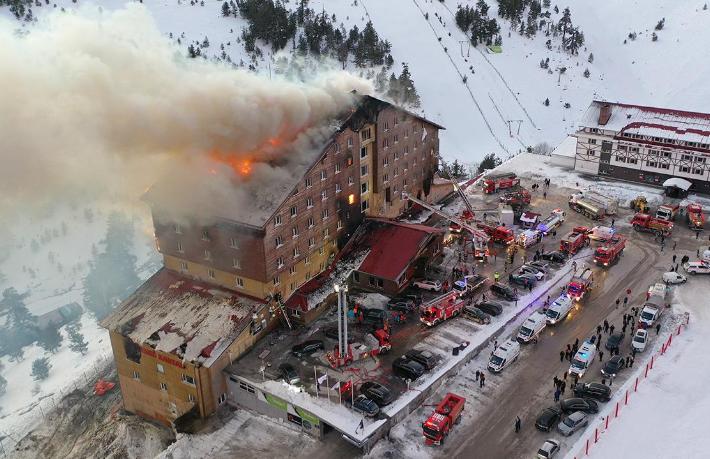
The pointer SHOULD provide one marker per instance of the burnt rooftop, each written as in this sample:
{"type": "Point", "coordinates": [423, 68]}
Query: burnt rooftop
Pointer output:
{"type": "Point", "coordinates": [192, 320]}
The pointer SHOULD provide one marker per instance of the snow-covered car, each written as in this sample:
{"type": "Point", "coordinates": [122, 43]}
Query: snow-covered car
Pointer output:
{"type": "Point", "coordinates": [673, 277]}
{"type": "Point", "coordinates": [426, 284]}
{"type": "Point", "coordinates": [364, 405]}
{"type": "Point", "coordinates": [548, 449]}
{"type": "Point", "coordinates": [697, 267]}
{"type": "Point", "coordinates": [640, 340]}
{"type": "Point", "coordinates": [535, 271]}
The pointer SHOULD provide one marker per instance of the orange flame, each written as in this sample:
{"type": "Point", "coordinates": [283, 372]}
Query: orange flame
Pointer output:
{"type": "Point", "coordinates": [240, 166]}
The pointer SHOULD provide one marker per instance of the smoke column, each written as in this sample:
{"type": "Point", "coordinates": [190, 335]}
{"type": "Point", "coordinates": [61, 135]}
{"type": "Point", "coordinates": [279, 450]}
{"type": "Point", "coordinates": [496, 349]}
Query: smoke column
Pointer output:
{"type": "Point", "coordinates": [96, 103]}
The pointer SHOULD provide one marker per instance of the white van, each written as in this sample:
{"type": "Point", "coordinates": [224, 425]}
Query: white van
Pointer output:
{"type": "Point", "coordinates": [504, 355]}
{"type": "Point", "coordinates": [601, 233]}
{"type": "Point", "coordinates": [528, 238]}
{"type": "Point", "coordinates": [559, 309]}
{"type": "Point", "coordinates": [649, 315]}
{"type": "Point", "coordinates": [532, 327]}
{"type": "Point", "coordinates": [583, 358]}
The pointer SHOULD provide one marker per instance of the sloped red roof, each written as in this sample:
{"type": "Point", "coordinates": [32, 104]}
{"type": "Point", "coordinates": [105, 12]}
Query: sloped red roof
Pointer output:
{"type": "Point", "coordinates": [393, 245]}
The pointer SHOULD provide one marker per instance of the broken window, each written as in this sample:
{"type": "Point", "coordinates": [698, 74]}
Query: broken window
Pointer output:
{"type": "Point", "coordinates": [133, 351]}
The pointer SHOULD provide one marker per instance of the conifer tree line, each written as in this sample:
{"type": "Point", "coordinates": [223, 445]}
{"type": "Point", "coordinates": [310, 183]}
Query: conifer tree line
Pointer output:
{"type": "Point", "coordinates": [474, 21]}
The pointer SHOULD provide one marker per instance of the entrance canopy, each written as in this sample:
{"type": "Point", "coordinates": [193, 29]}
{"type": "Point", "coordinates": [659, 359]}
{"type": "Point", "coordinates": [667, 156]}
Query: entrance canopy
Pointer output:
{"type": "Point", "coordinates": [677, 182]}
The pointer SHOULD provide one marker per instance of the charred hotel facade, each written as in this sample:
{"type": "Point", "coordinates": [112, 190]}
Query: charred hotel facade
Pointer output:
{"type": "Point", "coordinates": [221, 283]}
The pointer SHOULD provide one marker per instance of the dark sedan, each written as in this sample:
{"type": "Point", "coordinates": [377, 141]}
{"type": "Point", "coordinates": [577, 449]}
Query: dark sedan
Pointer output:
{"type": "Point", "coordinates": [614, 341]}
{"type": "Point", "coordinates": [289, 373]}
{"type": "Point", "coordinates": [554, 257]}
{"type": "Point", "coordinates": [570, 405]}
{"type": "Point", "coordinates": [504, 292]}
{"type": "Point", "coordinates": [407, 369]}
{"type": "Point", "coordinates": [425, 358]}
{"type": "Point", "coordinates": [522, 279]}
{"type": "Point", "coordinates": [476, 315]}
{"type": "Point", "coordinates": [613, 366]}
{"type": "Point", "coordinates": [490, 307]}
{"type": "Point", "coordinates": [307, 347]}
{"type": "Point", "coordinates": [597, 391]}
{"type": "Point", "coordinates": [377, 393]}
{"type": "Point", "coordinates": [548, 419]}
{"type": "Point", "coordinates": [365, 406]}
{"type": "Point", "coordinates": [400, 306]}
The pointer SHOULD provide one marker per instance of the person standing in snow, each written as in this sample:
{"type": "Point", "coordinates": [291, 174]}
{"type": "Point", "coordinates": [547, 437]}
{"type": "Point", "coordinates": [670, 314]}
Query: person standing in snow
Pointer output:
{"type": "Point", "coordinates": [562, 356]}
{"type": "Point", "coordinates": [658, 329]}
{"type": "Point", "coordinates": [482, 380]}
{"type": "Point", "coordinates": [518, 424]}
{"type": "Point", "coordinates": [478, 374]}
{"type": "Point", "coordinates": [606, 326]}
{"type": "Point", "coordinates": [611, 329]}
{"type": "Point", "coordinates": [601, 355]}
{"type": "Point", "coordinates": [557, 395]}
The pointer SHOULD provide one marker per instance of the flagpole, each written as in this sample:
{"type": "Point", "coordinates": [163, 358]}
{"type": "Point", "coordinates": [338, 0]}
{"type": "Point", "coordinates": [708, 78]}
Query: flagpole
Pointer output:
{"type": "Point", "coordinates": [327, 383]}
{"type": "Point", "coordinates": [352, 391]}
{"type": "Point", "coordinates": [315, 373]}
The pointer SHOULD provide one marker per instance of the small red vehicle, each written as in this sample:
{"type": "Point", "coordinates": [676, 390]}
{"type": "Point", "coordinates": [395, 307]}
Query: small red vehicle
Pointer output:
{"type": "Point", "coordinates": [498, 234]}
{"type": "Point", "coordinates": [610, 252]}
{"type": "Point", "coordinates": [574, 242]}
{"type": "Point", "coordinates": [648, 224]}
{"type": "Point", "coordinates": [442, 308]}
{"type": "Point", "coordinates": [495, 182]}
{"type": "Point", "coordinates": [696, 217]}
{"type": "Point", "coordinates": [446, 414]}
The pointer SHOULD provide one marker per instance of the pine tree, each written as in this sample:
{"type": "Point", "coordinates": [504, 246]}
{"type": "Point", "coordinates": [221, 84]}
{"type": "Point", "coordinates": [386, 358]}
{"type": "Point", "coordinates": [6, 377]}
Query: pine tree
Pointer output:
{"type": "Point", "coordinates": [394, 91]}
{"type": "Point", "coordinates": [590, 59]}
{"type": "Point", "coordinates": [409, 92]}
{"type": "Point", "coordinates": [77, 342]}
{"type": "Point", "coordinates": [191, 51]}
{"type": "Point", "coordinates": [205, 43]}
{"type": "Point", "coordinates": [489, 162]}
{"type": "Point", "coordinates": [654, 36]}
{"type": "Point", "coordinates": [547, 102]}
{"type": "Point", "coordinates": [586, 73]}
{"type": "Point", "coordinates": [225, 9]}
{"type": "Point", "coordinates": [40, 369]}
{"type": "Point", "coordinates": [50, 339]}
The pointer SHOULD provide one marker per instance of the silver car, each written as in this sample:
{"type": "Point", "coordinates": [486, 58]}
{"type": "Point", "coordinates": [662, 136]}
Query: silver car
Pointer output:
{"type": "Point", "coordinates": [573, 423]}
{"type": "Point", "coordinates": [548, 449]}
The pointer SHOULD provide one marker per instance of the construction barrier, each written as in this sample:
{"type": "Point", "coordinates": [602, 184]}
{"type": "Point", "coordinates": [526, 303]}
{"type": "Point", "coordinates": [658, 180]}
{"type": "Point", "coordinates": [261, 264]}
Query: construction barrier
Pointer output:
{"type": "Point", "coordinates": [583, 446]}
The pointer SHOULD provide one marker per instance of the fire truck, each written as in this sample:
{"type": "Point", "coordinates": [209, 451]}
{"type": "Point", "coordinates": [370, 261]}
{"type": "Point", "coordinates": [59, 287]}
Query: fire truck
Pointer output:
{"type": "Point", "coordinates": [648, 224]}
{"type": "Point", "coordinates": [498, 234]}
{"type": "Point", "coordinates": [379, 341]}
{"type": "Point", "coordinates": [479, 238]}
{"type": "Point", "coordinates": [516, 198]}
{"type": "Point", "coordinates": [493, 183]}
{"type": "Point", "coordinates": [696, 217]}
{"type": "Point", "coordinates": [586, 207]}
{"type": "Point", "coordinates": [574, 242]}
{"type": "Point", "coordinates": [609, 253]}
{"type": "Point", "coordinates": [667, 212]}
{"type": "Point", "coordinates": [552, 222]}
{"type": "Point", "coordinates": [441, 308]}
{"type": "Point", "coordinates": [579, 285]}
{"type": "Point", "coordinates": [446, 414]}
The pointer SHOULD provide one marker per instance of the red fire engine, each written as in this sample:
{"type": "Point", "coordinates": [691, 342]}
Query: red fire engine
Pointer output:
{"type": "Point", "coordinates": [441, 308]}
{"type": "Point", "coordinates": [439, 424]}
{"type": "Point", "coordinates": [648, 224]}
{"type": "Point", "coordinates": [496, 182]}
{"type": "Point", "coordinates": [579, 285]}
{"type": "Point", "coordinates": [610, 252]}
{"type": "Point", "coordinates": [574, 242]}
{"type": "Point", "coordinates": [696, 217]}
{"type": "Point", "coordinates": [498, 234]}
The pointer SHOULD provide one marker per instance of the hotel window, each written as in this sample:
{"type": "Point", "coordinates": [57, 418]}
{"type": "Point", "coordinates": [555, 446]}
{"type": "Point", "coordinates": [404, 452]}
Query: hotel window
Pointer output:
{"type": "Point", "coordinates": [687, 157]}
{"type": "Point", "coordinates": [208, 255]}
{"type": "Point", "coordinates": [632, 160]}
{"type": "Point", "coordinates": [363, 152]}
{"type": "Point", "coordinates": [396, 172]}
{"type": "Point", "coordinates": [326, 233]}
{"type": "Point", "coordinates": [210, 273]}
{"type": "Point", "coordinates": [385, 161]}
{"type": "Point", "coordinates": [700, 160]}
{"type": "Point", "coordinates": [277, 220]}
{"type": "Point", "coordinates": [309, 203]}
{"type": "Point", "coordinates": [698, 171]}
{"type": "Point", "coordinates": [160, 368]}
{"type": "Point", "coordinates": [406, 166]}
{"type": "Point", "coordinates": [364, 205]}
{"type": "Point", "coordinates": [363, 188]}
{"type": "Point", "coordinates": [233, 243]}
{"type": "Point", "coordinates": [406, 150]}
{"type": "Point", "coordinates": [311, 242]}
{"type": "Point", "coordinates": [396, 155]}
{"type": "Point", "coordinates": [178, 229]}
{"type": "Point", "coordinates": [163, 386]}
{"type": "Point", "coordinates": [621, 159]}
{"type": "Point", "coordinates": [387, 125]}
{"type": "Point", "coordinates": [652, 152]}
{"type": "Point", "coordinates": [385, 143]}
{"type": "Point", "coordinates": [365, 134]}
{"type": "Point", "coordinates": [323, 175]}
{"type": "Point", "coordinates": [350, 141]}
{"type": "Point", "coordinates": [294, 211]}
{"type": "Point", "coordinates": [205, 235]}
{"type": "Point", "coordinates": [338, 188]}
{"type": "Point", "coordinates": [179, 247]}
{"type": "Point", "coordinates": [324, 195]}
{"type": "Point", "coordinates": [311, 223]}
{"type": "Point", "coordinates": [363, 170]}
{"type": "Point", "coordinates": [337, 147]}
{"type": "Point", "coordinates": [324, 214]}
{"type": "Point", "coordinates": [279, 241]}
{"type": "Point", "coordinates": [592, 141]}
{"type": "Point", "coordinates": [307, 259]}
{"type": "Point", "coordinates": [292, 271]}
{"type": "Point", "coordinates": [340, 224]}
{"type": "Point", "coordinates": [337, 168]}
{"type": "Point", "coordinates": [183, 265]}
{"type": "Point", "coordinates": [294, 231]}
{"type": "Point", "coordinates": [309, 183]}
{"type": "Point", "coordinates": [280, 262]}
{"type": "Point", "coordinates": [396, 120]}
{"type": "Point", "coordinates": [406, 133]}
{"type": "Point", "coordinates": [396, 138]}
{"type": "Point", "coordinates": [276, 280]}
{"type": "Point", "coordinates": [684, 169]}
{"type": "Point", "coordinates": [385, 178]}
{"type": "Point", "coordinates": [664, 165]}
{"type": "Point", "coordinates": [240, 282]}
{"type": "Point", "coordinates": [651, 164]}
{"type": "Point", "coordinates": [634, 149]}
{"type": "Point", "coordinates": [187, 379]}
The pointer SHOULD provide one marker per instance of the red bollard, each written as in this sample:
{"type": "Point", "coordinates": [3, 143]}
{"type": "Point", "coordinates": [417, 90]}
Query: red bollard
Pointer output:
{"type": "Point", "coordinates": [678, 331]}
{"type": "Point", "coordinates": [586, 451]}
{"type": "Point", "coordinates": [652, 357]}
{"type": "Point", "coordinates": [596, 435]}
{"type": "Point", "coordinates": [646, 373]}
{"type": "Point", "coordinates": [626, 398]}
{"type": "Point", "coordinates": [616, 415]}
{"type": "Point", "coordinates": [670, 339]}
{"type": "Point", "coordinates": [606, 426]}
{"type": "Point", "coordinates": [636, 384]}
{"type": "Point", "coordinates": [663, 349]}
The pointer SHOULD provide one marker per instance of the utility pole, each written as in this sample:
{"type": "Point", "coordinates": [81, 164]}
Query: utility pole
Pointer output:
{"type": "Point", "coordinates": [342, 320]}
{"type": "Point", "coordinates": [510, 127]}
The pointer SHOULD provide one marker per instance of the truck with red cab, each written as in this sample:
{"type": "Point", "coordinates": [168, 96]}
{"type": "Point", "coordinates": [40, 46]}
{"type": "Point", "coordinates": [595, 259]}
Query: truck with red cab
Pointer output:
{"type": "Point", "coordinates": [493, 183]}
{"type": "Point", "coordinates": [574, 242]}
{"type": "Point", "coordinates": [609, 253]}
{"type": "Point", "coordinates": [696, 217]}
{"type": "Point", "coordinates": [581, 284]}
{"type": "Point", "coordinates": [648, 224]}
{"type": "Point", "coordinates": [441, 308]}
{"type": "Point", "coordinates": [667, 212]}
{"type": "Point", "coordinates": [498, 234]}
{"type": "Point", "coordinates": [516, 198]}
{"type": "Point", "coordinates": [446, 414]}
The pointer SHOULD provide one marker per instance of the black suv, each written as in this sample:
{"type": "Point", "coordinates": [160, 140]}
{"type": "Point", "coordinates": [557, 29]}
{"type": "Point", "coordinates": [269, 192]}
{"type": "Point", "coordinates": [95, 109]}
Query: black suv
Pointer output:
{"type": "Point", "coordinates": [554, 257]}
{"type": "Point", "coordinates": [407, 369]}
{"type": "Point", "coordinates": [424, 358]}
{"type": "Point", "coordinates": [593, 390]}
{"type": "Point", "coordinates": [613, 366]}
{"type": "Point", "coordinates": [374, 317]}
{"type": "Point", "coordinates": [548, 419]}
{"type": "Point", "coordinates": [523, 279]}
{"type": "Point", "coordinates": [307, 347]}
{"type": "Point", "coordinates": [614, 341]}
{"type": "Point", "coordinates": [570, 405]}
{"type": "Point", "coordinates": [503, 291]}
{"type": "Point", "coordinates": [289, 373]}
{"type": "Point", "coordinates": [377, 393]}
{"type": "Point", "coordinates": [489, 307]}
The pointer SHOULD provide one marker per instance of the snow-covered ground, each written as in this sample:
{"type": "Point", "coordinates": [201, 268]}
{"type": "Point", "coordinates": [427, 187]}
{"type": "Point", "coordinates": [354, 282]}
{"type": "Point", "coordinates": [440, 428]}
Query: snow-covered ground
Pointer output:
{"type": "Point", "coordinates": [667, 416]}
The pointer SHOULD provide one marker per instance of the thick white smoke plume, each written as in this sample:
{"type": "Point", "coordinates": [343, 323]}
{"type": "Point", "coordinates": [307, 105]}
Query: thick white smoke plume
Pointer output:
{"type": "Point", "coordinates": [100, 102]}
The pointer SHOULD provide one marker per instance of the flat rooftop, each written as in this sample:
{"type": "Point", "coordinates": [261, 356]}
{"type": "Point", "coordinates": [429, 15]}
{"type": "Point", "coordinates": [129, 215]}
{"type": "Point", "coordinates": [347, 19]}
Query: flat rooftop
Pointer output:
{"type": "Point", "coordinates": [193, 320]}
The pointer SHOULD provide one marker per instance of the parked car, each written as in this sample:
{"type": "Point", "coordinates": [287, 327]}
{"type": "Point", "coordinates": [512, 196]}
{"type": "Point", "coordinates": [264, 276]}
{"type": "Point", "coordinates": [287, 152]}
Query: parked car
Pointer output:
{"type": "Point", "coordinates": [697, 267]}
{"type": "Point", "coordinates": [407, 369]}
{"type": "Point", "coordinates": [548, 449]}
{"type": "Point", "coordinates": [364, 405]}
{"type": "Point", "coordinates": [573, 423]}
{"type": "Point", "coordinates": [548, 418]}
{"type": "Point", "coordinates": [307, 347]}
{"type": "Point", "coordinates": [289, 373]}
{"type": "Point", "coordinates": [475, 314]}
{"type": "Point", "coordinates": [490, 307]}
{"type": "Point", "coordinates": [503, 291]}
{"type": "Point", "coordinates": [587, 405]}
{"type": "Point", "coordinates": [522, 279]}
{"type": "Point", "coordinates": [554, 257]}
{"type": "Point", "coordinates": [425, 358]}
{"type": "Point", "coordinates": [426, 284]}
{"type": "Point", "coordinates": [377, 392]}
{"type": "Point", "coordinates": [614, 340]}
{"type": "Point", "coordinates": [545, 266]}
{"type": "Point", "coordinates": [400, 306]}
{"type": "Point", "coordinates": [597, 391]}
{"type": "Point", "coordinates": [613, 366]}
{"type": "Point", "coordinates": [640, 340]}
{"type": "Point", "coordinates": [373, 316]}
{"type": "Point", "coordinates": [539, 273]}
{"type": "Point", "coordinates": [673, 277]}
